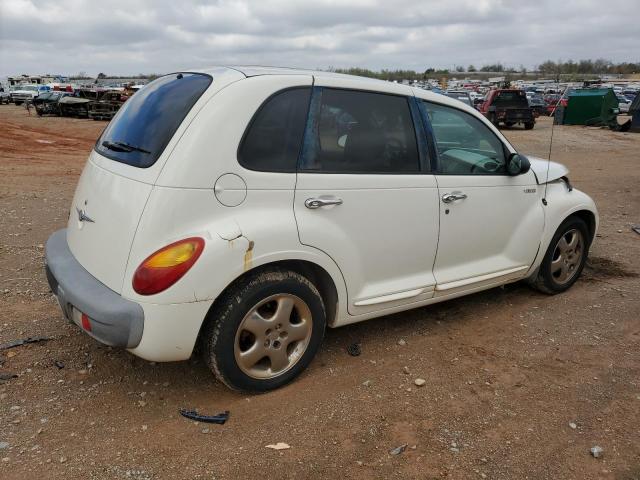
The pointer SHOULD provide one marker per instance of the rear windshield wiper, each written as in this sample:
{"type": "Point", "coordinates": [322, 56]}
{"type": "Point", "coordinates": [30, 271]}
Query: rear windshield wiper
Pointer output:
{"type": "Point", "coordinates": [123, 147]}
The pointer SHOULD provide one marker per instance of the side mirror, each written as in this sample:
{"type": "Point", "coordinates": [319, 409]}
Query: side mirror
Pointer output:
{"type": "Point", "coordinates": [517, 164]}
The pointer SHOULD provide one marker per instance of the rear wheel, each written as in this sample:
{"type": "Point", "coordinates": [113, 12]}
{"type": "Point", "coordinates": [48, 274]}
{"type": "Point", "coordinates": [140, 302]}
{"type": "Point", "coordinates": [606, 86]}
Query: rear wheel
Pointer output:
{"type": "Point", "coordinates": [264, 331]}
{"type": "Point", "coordinates": [529, 125]}
{"type": "Point", "coordinates": [565, 257]}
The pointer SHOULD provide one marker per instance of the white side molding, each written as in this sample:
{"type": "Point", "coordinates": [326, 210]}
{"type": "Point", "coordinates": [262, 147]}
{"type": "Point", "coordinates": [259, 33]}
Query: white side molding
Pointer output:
{"type": "Point", "coordinates": [393, 297]}
{"type": "Point", "coordinates": [481, 278]}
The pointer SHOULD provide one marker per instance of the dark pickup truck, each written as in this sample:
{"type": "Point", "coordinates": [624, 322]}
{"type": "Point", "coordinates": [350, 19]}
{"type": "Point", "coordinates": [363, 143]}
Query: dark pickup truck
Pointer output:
{"type": "Point", "coordinates": [508, 106]}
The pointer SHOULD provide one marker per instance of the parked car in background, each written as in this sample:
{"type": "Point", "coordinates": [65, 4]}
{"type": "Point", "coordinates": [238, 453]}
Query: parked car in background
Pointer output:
{"type": "Point", "coordinates": [461, 95]}
{"type": "Point", "coordinates": [554, 101]}
{"type": "Point", "coordinates": [26, 93]}
{"type": "Point", "coordinates": [105, 106]}
{"type": "Point", "coordinates": [538, 105]}
{"type": "Point", "coordinates": [623, 103]}
{"type": "Point", "coordinates": [4, 97]}
{"type": "Point", "coordinates": [235, 218]}
{"type": "Point", "coordinates": [508, 107]}
{"type": "Point", "coordinates": [47, 103]}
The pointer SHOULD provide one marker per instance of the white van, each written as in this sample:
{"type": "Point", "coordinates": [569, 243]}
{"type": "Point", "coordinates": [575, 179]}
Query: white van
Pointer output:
{"type": "Point", "coordinates": [249, 208]}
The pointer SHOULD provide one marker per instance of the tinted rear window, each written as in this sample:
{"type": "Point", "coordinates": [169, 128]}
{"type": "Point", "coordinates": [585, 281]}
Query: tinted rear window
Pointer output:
{"type": "Point", "coordinates": [511, 99]}
{"type": "Point", "coordinates": [141, 130]}
{"type": "Point", "coordinates": [273, 140]}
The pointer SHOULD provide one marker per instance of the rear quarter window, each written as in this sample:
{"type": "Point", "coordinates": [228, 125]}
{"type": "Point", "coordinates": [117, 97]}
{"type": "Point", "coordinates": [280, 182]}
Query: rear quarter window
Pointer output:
{"type": "Point", "coordinates": [143, 126]}
{"type": "Point", "coordinates": [274, 137]}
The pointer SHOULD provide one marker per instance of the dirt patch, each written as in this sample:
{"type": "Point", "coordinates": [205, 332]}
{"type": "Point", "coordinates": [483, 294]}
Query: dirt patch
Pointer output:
{"type": "Point", "coordinates": [599, 267]}
{"type": "Point", "coordinates": [509, 372]}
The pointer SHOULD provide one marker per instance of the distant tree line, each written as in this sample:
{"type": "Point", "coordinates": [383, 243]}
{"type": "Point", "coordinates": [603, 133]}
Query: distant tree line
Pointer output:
{"type": "Point", "coordinates": [549, 67]}
{"type": "Point", "coordinates": [588, 66]}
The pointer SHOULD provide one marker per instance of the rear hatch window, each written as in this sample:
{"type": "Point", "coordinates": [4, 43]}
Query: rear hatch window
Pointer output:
{"type": "Point", "coordinates": [142, 128]}
{"type": "Point", "coordinates": [511, 99]}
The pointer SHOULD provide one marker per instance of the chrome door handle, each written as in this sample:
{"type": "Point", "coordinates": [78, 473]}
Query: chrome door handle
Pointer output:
{"type": "Point", "coordinates": [318, 202]}
{"type": "Point", "coordinates": [453, 196]}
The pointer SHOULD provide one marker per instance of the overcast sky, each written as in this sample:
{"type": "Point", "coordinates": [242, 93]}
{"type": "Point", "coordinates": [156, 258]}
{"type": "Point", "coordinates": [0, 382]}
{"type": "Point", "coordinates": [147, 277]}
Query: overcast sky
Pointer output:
{"type": "Point", "coordinates": [131, 36]}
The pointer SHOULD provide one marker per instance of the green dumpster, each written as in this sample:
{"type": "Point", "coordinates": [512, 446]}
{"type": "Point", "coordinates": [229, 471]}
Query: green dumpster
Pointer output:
{"type": "Point", "coordinates": [591, 107]}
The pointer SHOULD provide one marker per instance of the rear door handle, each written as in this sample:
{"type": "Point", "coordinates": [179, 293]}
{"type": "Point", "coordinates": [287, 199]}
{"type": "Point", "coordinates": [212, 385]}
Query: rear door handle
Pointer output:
{"type": "Point", "coordinates": [318, 202]}
{"type": "Point", "coordinates": [453, 196]}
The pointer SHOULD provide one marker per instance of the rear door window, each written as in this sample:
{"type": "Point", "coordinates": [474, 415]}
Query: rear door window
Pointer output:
{"type": "Point", "coordinates": [362, 132]}
{"type": "Point", "coordinates": [143, 126]}
{"type": "Point", "coordinates": [274, 137]}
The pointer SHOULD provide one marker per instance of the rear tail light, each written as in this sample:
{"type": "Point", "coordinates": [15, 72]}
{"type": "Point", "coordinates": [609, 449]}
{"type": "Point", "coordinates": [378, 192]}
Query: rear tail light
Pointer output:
{"type": "Point", "coordinates": [86, 323]}
{"type": "Point", "coordinates": [165, 267]}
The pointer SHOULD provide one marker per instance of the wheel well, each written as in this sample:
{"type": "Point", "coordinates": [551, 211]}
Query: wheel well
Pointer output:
{"type": "Point", "coordinates": [316, 274]}
{"type": "Point", "coordinates": [590, 219]}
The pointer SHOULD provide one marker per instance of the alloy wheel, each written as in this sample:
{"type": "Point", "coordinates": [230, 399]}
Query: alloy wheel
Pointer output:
{"type": "Point", "coordinates": [567, 256]}
{"type": "Point", "coordinates": [273, 336]}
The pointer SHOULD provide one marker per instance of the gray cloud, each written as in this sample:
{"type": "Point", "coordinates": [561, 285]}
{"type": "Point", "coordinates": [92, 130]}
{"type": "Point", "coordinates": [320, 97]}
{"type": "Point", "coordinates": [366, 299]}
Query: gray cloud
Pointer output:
{"type": "Point", "coordinates": [129, 37]}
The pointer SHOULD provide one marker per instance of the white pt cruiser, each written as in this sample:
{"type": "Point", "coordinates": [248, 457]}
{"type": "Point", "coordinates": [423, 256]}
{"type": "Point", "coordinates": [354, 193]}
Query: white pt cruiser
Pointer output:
{"type": "Point", "coordinates": [249, 208]}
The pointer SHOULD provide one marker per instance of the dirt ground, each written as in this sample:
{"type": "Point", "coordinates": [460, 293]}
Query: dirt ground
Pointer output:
{"type": "Point", "coordinates": [519, 385]}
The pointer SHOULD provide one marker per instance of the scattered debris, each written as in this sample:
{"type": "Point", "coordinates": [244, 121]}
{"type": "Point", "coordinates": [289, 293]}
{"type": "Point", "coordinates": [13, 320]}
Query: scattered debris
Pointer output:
{"type": "Point", "coordinates": [278, 446]}
{"type": "Point", "coordinates": [4, 445]}
{"type": "Point", "coordinates": [398, 450]}
{"type": "Point", "coordinates": [59, 364]}
{"type": "Point", "coordinates": [405, 370]}
{"type": "Point", "coordinates": [194, 415]}
{"type": "Point", "coordinates": [23, 341]}
{"type": "Point", "coordinates": [573, 425]}
{"type": "Point", "coordinates": [636, 228]}
{"type": "Point", "coordinates": [402, 342]}
{"type": "Point", "coordinates": [597, 451]}
{"type": "Point", "coordinates": [7, 376]}
{"type": "Point", "coordinates": [420, 382]}
{"type": "Point", "coordinates": [354, 349]}
{"type": "Point", "coordinates": [366, 383]}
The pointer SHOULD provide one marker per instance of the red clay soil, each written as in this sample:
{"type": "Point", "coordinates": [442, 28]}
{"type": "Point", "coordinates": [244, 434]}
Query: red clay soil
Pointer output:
{"type": "Point", "coordinates": [519, 385]}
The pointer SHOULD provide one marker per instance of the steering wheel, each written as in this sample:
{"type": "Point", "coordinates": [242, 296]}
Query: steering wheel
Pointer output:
{"type": "Point", "coordinates": [489, 166]}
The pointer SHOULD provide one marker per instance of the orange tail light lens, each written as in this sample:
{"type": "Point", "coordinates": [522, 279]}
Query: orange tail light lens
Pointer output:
{"type": "Point", "coordinates": [165, 267]}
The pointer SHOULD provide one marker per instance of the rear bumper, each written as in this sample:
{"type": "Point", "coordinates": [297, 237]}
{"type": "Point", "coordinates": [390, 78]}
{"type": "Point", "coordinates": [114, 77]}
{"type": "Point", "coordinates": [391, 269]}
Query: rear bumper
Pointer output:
{"type": "Point", "coordinates": [115, 321]}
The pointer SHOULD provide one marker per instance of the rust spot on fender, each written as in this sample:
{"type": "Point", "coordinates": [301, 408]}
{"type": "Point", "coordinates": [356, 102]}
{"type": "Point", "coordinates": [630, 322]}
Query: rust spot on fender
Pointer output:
{"type": "Point", "coordinates": [248, 256]}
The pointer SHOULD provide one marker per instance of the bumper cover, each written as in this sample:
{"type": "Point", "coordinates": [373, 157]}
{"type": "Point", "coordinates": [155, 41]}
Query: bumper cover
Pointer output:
{"type": "Point", "coordinates": [115, 321]}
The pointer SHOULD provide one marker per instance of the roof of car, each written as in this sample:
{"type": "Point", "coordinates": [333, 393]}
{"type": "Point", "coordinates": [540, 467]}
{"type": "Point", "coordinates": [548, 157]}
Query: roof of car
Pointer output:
{"type": "Point", "coordinates": [350, 81]}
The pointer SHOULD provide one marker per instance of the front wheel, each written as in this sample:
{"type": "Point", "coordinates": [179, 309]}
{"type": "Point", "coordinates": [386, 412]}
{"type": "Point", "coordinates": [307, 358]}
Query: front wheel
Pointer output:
{"type": "Point", "coordinates": [565, 257]}
{"type": "Point", "coordinates": [264, 330]}
{"type": "Point", "coordinates": [529, 125]}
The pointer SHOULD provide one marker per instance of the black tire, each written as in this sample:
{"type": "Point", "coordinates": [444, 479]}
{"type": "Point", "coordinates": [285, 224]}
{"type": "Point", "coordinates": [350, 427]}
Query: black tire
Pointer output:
{"type": "Point", "coordinates": [221, 330]}
{"type": "Point", "coordinates": [546, 280]}
{"type": "Point", "coordinates": [510, 124]}
{"type": "Point", "coordinates": [494, 120]}
{"type": "Point", "coordinates": [529, 125]}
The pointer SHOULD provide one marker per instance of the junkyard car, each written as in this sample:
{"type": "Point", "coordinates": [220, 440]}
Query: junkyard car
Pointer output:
{"type": "Point", "coordinates": [249, 208]}
{"type": "Point", "coordinates": [48, 103]}
{"type": "Point", "coordinates": [509, 107]}
{"type": "Point", "coordinates": [26, 93]}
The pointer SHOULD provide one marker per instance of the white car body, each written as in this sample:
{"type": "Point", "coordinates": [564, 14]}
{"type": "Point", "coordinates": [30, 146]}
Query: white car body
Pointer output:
{"type": "Point", "coordinates": [388, 247]}
{"type": "Point", "coordinates": [26, 93]}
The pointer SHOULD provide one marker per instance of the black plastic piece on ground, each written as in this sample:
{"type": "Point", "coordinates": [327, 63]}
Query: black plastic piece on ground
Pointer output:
{"type": "Point", "coordinates": [23, 341]}
{"type": "Point", "coordinates": [354, 349]}
{"type": "Point", "coordinates": [194, 415]}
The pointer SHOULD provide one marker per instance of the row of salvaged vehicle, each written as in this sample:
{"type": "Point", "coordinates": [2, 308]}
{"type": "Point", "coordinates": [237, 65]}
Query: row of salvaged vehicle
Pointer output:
{"type": "Point", "coordinates": [84, 103]}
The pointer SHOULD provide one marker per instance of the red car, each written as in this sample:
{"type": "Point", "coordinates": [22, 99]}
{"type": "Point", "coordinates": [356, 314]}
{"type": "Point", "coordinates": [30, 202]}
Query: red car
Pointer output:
{"type": "Point", "coordinates": [508, 106]}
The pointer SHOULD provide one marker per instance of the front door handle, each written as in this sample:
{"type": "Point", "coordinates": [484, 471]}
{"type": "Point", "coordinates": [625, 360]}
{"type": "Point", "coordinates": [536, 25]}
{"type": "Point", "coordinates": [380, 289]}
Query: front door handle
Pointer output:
{"type": "Point", "coordinates": [453, 196]}
{"type": "Point", "coordinates": [318, 202]}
